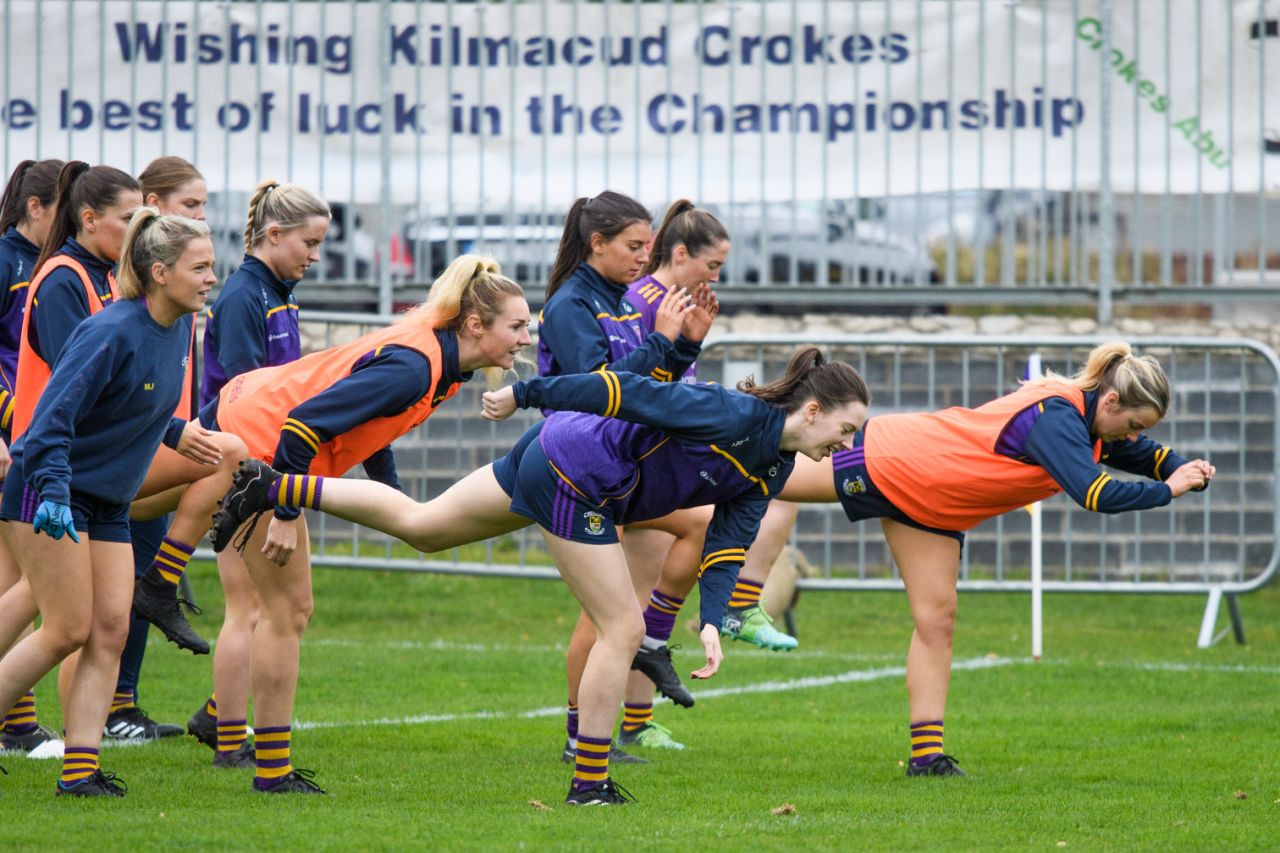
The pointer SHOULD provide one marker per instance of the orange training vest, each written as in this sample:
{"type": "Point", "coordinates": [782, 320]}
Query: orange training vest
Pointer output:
{"type": "Point", "coordinates": [256, 405]}
{"type": "Point", "coordinates": [941, 468]}
{"type": "Point", "coordinates": [34, 371]}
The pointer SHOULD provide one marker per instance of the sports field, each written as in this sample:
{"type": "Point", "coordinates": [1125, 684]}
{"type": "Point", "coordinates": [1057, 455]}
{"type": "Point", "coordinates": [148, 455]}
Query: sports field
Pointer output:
{"type": "Point", "coordinates": [431, 709]}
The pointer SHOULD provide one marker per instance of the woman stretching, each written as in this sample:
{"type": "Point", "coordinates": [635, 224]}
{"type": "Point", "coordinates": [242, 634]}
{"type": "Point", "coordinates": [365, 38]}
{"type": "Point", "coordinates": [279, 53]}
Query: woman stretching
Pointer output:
{"type": "Point", "coordinates": [646, 449]}
{"type": "Point", "coordinates": [930, 477]}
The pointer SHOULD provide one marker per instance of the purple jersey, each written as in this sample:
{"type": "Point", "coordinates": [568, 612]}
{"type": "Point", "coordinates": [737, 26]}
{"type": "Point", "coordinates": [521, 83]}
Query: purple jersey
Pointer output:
{"type": "Point", "coordinates": [646, 295]}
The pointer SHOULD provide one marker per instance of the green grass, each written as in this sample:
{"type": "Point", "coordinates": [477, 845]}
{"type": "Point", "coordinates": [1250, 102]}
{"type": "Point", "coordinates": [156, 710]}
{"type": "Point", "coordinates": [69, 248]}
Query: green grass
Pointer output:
{"type": "Point", "coordinates": [1125, 737]}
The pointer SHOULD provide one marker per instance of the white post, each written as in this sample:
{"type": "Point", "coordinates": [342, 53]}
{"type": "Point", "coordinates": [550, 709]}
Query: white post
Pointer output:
{"type": "Point", "coordinates": [1037, 545]}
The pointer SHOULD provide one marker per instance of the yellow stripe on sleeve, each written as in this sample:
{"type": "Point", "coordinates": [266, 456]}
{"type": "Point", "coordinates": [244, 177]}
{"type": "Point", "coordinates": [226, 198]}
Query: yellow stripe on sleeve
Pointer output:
{"type": "Point", "coordinates": [742, 470]}
{"type": "Point", "coordinates": [1095, 492]}
{"type": "Point", "coordinates": [1161, 455]}
{"type": "Point", "coordinates": [288, 427]}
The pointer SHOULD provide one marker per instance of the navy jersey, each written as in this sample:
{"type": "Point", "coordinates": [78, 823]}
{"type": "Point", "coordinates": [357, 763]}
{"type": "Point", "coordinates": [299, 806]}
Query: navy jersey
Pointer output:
{"type": "Point", "coordinates": [650, 448]}
{"type": "Point", "coordinates": [253, 324]}
{"type": "Point", "coordinates": [108, 405]}
{"type": "Point", "coordinates": [61, 306]}
{"type": "Point", "coordinates": [1055, 436]}
{"type": "Point", "coordinates": [18, 257]}
{"type": "Point", "coordinates": [382, 383]}
{"type": "Point", "coordinates": [589, 324]}
{"type": "Point", "coordinates": [646, 295]}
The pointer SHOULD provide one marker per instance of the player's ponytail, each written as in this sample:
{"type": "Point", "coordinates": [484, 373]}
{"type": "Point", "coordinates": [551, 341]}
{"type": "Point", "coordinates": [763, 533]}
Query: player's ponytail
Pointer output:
{"type": "Point", "coordinates": [472, 284]}
{"type": "Point", "coordinates": [1138, 380]}
{"type": "Point", "coordinates": [285, 205]}
{"type": "Point", "coordinates": [79, 186]}
{"type": "Point", "coordinates": [164, 176]}
{"type": "Point", "coordinates": [608, 214]}
{"type": "Point", "coordinates": [684, 225]}
{"type": "Point", "coordinates": [810, 376]}
{"type": "Point", "coordinates": [153, 238]}
{"type": "Point", "coordinates": [37, 178]}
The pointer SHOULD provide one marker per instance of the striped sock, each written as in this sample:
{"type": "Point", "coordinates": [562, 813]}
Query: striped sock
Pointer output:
{"type": "Point", "coordinates": [571, 724]}
{"type": "Point", "coordinates": [746, 594]}
{"type": "Point", "coordinates": [123, 699]}
{"type": "Point", "coordinates": [637, 716]}
{"type": "Point", "coordinates": [171, 561]}
{"type": "Point", "coordinates": [593, 762]}
{"type": "Point", "coordinates": [78, 764]}
{"type": "Point", "coordinates": [211, 707]}
{"type": "Point", "coordinates": [926, 742]}
{"type": "Point", "coordinates": [232, 734]}
{"type": "Point", "coordinates": [296, 490]}
{"type": "Point", "coordinates": [271, 748]}
{"type": "Point", "coordinates": [660, 615]}
{"type": "Point", "coordinates": [21, 718]}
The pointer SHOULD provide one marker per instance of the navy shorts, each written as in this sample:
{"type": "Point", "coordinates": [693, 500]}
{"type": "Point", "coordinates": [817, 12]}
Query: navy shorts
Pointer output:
{"type": "Point", "coordinates": [102, 521]}
{"type": "Point", "coordinates": [860, 497]}
{"type": "Point", "coordinates": [541, 493]}
{"type": "Point", "coordinates": [506, 467]}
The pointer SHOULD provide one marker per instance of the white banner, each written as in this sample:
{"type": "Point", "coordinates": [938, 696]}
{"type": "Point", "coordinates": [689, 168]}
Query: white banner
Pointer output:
{"type": "Point", "coordinates": [532, 104]}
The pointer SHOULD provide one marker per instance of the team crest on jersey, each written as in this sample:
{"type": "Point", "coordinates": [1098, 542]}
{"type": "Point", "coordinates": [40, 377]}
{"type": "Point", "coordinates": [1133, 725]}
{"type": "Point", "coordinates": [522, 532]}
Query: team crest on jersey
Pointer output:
{"type": "Point", "coordinates": [854, 486]}
{"type": "Point", "coordinates": [595, 523]}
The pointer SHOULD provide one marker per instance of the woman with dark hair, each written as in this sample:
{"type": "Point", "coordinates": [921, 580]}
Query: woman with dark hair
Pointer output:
{"type": "Point", "coordinates": [929, 477]}
{"type": "Point", "coordinates": [26, 214]}
{"type": "Point", "coordinates": [617, 449]}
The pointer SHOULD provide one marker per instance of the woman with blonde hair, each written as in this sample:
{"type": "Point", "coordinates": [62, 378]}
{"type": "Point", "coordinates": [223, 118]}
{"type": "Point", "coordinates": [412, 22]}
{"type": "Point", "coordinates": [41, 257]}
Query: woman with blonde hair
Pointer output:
{"type": "Point", "coordinates": [929, 477]}
{"type": "Point", "coordinates": [323, 414]}
{"type": "Point", "coordinates": [253, 323]}
{"type": "Point", "coordinates": [106, 406]}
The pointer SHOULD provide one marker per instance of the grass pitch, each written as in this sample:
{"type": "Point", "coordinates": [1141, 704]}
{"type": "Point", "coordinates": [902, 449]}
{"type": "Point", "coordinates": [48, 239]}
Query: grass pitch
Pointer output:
{"type": "Point", "coordinates": [430, 708]}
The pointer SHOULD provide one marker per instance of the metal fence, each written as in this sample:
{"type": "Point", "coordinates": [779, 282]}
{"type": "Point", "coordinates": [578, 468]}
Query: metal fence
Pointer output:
{"type": "Point", "coordinates": [1226, 408]}
{"type": "Point", "coordinates": [925, 152]}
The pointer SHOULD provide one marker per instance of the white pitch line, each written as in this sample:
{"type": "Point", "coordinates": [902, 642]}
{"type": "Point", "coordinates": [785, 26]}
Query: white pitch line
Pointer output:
{"type": "Point", "coordinates": [854, 676]}
{"type": "Point", "coordinates": [1196, 667]}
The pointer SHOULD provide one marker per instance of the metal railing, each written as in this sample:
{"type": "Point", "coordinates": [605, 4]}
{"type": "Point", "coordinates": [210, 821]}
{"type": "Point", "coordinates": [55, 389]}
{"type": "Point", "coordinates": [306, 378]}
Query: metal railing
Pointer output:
{"type": "Point", "coordinates": [1091, 152]}
{"type": "Point", "coordinates": [1226, 407]}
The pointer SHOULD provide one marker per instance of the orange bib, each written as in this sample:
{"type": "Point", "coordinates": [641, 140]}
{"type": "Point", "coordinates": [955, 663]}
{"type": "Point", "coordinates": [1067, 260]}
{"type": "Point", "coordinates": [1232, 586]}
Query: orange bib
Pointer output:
{"type": "Point", "coordinates": [34, 371]}
{"type": "Point", "coordinates": [256, 405]}
{"type": "Point", "coordinates": [942, 469]}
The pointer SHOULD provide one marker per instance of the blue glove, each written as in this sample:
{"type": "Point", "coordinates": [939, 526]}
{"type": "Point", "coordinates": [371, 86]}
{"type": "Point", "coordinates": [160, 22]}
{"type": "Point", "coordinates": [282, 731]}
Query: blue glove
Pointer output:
{"type": "Point", "coordinates": [54, 519]}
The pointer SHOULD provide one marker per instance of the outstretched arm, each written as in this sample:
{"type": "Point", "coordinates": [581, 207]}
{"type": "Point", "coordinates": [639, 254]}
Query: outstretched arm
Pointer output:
{"type": "Point", "coordinates": [697, 414]}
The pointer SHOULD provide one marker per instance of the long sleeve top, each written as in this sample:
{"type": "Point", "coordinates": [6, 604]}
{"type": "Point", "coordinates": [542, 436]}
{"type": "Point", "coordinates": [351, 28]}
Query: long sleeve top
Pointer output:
{"type": "Point", "coordinates": [652, 447]}
{"type": "Point", "coordinates": [109, 403]}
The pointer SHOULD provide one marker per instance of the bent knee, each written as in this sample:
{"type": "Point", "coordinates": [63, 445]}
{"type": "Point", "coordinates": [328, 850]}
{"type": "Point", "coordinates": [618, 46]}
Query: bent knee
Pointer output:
{"type": "Point", "coordinates": [624, 633]}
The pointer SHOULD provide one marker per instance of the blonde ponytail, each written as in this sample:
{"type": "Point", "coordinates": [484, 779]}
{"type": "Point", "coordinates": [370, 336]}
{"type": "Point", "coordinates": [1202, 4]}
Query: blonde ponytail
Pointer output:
{"type": "Point", "coordinates": [1138, 380]}
{"type": "Point", "coordinates": [472, 284]}
{"type": "Point", "coordinates": [153, 238]}
{"type": "Point", "coordinates": [285, 205]}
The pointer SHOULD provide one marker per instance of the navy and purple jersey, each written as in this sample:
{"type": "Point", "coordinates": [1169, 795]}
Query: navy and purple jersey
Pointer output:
{"type": "Point", "coordinates": [382, 383]}
{"type": "Point", "coordinates": [253, 324]}
{"type": "Point", "coordinates": [589, 324]}
{"type": "Point", "coordinates": [647, 448]}
{"type": "Point", "coordinates": [1055, 436]}
{"type": "Point", "coordinates": [18, 257]}
{"type": "Point", "coordinates": [108, 405]}
{"type": "Point", "coordinates": [61, 304]}
{"type": "Point", "coordinates": [646, 295]}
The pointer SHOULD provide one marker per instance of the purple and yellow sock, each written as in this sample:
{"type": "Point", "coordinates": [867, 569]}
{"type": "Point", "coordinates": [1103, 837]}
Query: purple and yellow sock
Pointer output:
{"type": "Point", "coordinates": [296, 490]}
{"type": "Point", "coordinates": [746, 594]}
{"type": "Point", "coordinates": [636, 716]}
{"type": "Point", "coordinates": [211, 707]}
{"type": "Point", "coordinates": [660, 615]}
{"type": "Point", "coordinates": [271, 749]}
{"type": "Point", "coordinates": [926, 742]}
{"type": "Point", "coordinates": [232, 734]}
{"type": "Point", "coordinates": [21, 718]}
{"type": "Point", "coordinates": [571, 722]}
{"type": "Point", "coordinates": [593, 762]}
{"type": "Point", "coordinates": [78, 764]}
{"type": "Point", "coordinates": [123, 699]}
{"type": "Point", "coordinates": [171, 560]}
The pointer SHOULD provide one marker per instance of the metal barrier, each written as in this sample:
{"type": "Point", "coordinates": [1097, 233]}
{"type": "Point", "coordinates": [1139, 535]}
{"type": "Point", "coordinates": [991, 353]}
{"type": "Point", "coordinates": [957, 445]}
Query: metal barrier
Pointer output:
{"type": "Point", "coordinates": [887, 152]}
{"type": "Point", "coordinates": [1226, 408]}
